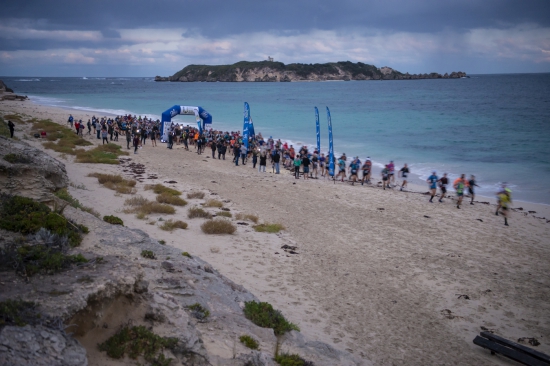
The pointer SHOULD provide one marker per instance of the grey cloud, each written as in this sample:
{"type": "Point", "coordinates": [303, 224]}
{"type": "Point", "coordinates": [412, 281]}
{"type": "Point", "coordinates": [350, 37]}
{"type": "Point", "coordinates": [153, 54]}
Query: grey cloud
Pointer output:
{"type": "Point", "coordinates": [110, 33]}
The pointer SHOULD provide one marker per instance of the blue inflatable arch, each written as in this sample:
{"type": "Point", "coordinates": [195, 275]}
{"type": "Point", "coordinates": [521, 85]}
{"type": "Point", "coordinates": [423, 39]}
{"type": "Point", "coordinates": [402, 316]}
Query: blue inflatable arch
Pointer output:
{"type": "Point", "coordinates": [203, 118]}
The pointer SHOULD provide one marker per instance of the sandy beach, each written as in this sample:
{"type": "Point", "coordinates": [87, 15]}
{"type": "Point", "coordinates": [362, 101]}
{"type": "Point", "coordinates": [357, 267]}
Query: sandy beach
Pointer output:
{"type": "Point", "coordinates": [378, 273]}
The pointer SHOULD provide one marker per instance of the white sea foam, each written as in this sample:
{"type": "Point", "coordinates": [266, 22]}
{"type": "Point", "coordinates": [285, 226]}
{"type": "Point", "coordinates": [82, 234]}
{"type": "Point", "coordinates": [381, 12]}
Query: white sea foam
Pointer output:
{"type": "Point", "coordinates": [36, 79]}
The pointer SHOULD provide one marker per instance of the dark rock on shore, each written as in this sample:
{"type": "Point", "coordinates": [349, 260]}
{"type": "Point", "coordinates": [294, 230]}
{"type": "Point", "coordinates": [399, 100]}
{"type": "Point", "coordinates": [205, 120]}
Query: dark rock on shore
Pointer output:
{"type": "Point", "coordinates": [8, 94]}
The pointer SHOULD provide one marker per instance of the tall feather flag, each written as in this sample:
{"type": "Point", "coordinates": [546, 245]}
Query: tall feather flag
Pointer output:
{"type": "Point", "coordinates": [246, 129]}
{"type": "Point", "coordinates": [317, 125]}
{"type": "Point", "coordinates": [330, 146]}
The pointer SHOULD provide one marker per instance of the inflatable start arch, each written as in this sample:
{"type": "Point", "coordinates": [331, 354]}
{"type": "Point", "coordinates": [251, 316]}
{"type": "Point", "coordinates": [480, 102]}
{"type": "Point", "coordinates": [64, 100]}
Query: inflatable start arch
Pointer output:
{"type": "Point", "coordinates": [202, 117]}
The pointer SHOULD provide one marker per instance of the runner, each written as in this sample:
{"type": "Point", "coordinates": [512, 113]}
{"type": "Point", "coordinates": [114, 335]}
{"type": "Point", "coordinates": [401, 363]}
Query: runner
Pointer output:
{"type": "Point", "coordinates": [354, 169]}
{"type": "Point", "coordinates": [385, 176]}
{"type": "Point", "coordinates": [459, 184]}
{"type": "Point", "coordinates": [432, 180]}
{"type": "Point", "coordinates": [404, 172]}
{"type": "Point", "coordinates": [263, 161]}
{"type": "Point", "coordinates": [297, 163]}
{"type": "Point", "coordinates": [366, 171]}
{"type": "Point", "coordinates": [471, 185]}
{"type": "Point", "coordinates": [306, 162]}
{"type": "Point", "coordinates": [443, 186]}
{"type": "Point", "coordinates": [322, 162]}
{"type": "Point", "coordinates": [391, 173]}
{"type": "Point", "coordinates": [315, 162]}
{"type": "Point", "coordinates": [341, 167]}
{"type": "Point", "coordinates": [504, 200]}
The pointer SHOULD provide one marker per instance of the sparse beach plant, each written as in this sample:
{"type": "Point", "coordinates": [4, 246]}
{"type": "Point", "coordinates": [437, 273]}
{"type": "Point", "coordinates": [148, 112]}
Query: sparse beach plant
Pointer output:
{"type": "Point", "coordinates": [195, 195]}
{"type": "Point", "coordinates": [172, 225]}
{"type": "Point", "coordinates": [115, 182]}
{"type": "Point", "coordinates": [159, 188]}
{"type": "Point", "coordinates": [171, 199]}
{"type": "Point", "coordinates": [219, 226]}
{"type": "Point", "coordinates": [287, 359]}
{"type": "Point", "coordinates": [268, 228]}
{"type": "Point", "coordinates": [136, 201]}
{"type": "Point", "coordinates": [66, 196]}
{"type": "Point", "coordinates": [101, 154]}
{"type": "Point", "coordinates": [148, 254]}
{"type": "Point", "coordinates": [138, 341]}
{"type": "Point", "coordinates": [113, 220]}
{"type": "Point", "coordinates": [198, 212]}
{"type": "Point", "coordinates": [198, 311]}
{"type": "Point", "coordinates": [16, 159]}
{"type": "Point", "coordinates": [249, 342]}
{"type": "Point", "coordinates": [263, 315]}
{"type": "Point", "coordinates": [213, 203]}
{"type": "Point", "coordinates": [249, 217]}
{"type": "Point", "coordinates": [18, 312]}
{"type": "Point", "coordinates": [224, 214]}
{"type": "Point", "coordinates": [162, 242]}
{"type": "Point", "coordinates": [141, 216]}
{"type": "Point", "coordinates": [186, 254]}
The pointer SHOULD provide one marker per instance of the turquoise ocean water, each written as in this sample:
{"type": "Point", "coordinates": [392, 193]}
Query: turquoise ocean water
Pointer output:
{"type": "Point", "coordinates": [494, 126]}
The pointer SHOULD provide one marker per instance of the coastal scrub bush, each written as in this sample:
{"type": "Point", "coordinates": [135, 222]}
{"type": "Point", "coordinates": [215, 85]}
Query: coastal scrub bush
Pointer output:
{"type": "Point", "coordinates": [115, 182]}
{"type": "Point", "coordinates": [198, 212]}
{"type": "Point", "coordinates": [101, 154]}
{"type": "Point", "coordinates": [148, 254]}
{"type": "Point", "coordinates": [171, 225]}
{"type": "Point", "coordinates": [138, 341]}
{"type": "Point", "coordinates": [186, 254]}
{"type": "Point", "coordinates": [18, 312]}
{"type": "Point", "coordinates": [66, 196]}
{"type": "Point", "coordinates": [25, 216]}
{"type": "Point", "coordinates": [16, 118]}
{"type": "Point", "coordinates": [159, 188]}
{"type": "Point", "coordinates": [218, 227]}
{"type": "Point", "coordinates": [248, 217]}
{"type": "Point", "coordinates": [263, 315]}
{"type": "Point", "coordinates": [268, 228]}
{"type": "Point", "coordinates": [249, 342]}
{"type": "Point", "coordinates": [151, 207]}
{"type": "Point", "coordinates": [224, 214]}
{"type": "Point", "coordinates": [198, 311]}
{"type": "Point", "coordinates": [286, 359]}
{"type": "Point", "coordinates": [67, 139]}
{"type": "Point", "coordinates": [199, 195]}
{"type": "Point", "coordinates": [136, 201]}
{"type": "Point", "coordinates": [213, 203]}
{"type": "Point", "coordinates": [4, 129]}
{"type": "Point", "coordinates": [16, 159]}
{"type": "Point", "coordinates": [113, 220]}
{"type": "Point", "coordinates": [171, 199]}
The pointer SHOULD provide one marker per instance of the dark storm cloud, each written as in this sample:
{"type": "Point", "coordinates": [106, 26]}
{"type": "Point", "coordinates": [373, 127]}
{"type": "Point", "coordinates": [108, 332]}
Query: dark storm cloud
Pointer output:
{"type": "Point", "coordinates": [110, 33]}
{"type": "Point", "coordinates": [221, 17]}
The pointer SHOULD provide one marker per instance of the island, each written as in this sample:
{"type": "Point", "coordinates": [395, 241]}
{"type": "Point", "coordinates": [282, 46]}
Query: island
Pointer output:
{"type": "Point", "coordinates": [273, 71]}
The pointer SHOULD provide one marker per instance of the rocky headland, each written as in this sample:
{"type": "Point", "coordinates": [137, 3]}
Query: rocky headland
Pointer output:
{"type": "Point", "coordinates": [271, 71]}
{"type": "Point", "coordinates": [8, 94]}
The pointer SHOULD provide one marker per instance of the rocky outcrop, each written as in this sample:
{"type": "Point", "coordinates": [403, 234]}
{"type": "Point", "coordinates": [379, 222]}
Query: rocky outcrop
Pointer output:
{"type": "Point", "coordinates": [8, 94]}
{"type": "Point", "coordinates": [269, 71]}
{"type": "Point", "coordinates": [27, 171]}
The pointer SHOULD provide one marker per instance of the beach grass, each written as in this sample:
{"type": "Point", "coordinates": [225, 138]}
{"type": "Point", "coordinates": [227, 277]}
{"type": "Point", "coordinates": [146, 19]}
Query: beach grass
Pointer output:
{"type": "Point", "coordinates": [219, 226]}
{"type": "Point", "coordinates": [194, 212]}
{"type": "Point", "coordinates": [67, 139]}
{"type": "Point", "coordinates": [213, 203]}
{"type": "Point", "coordinates": [172, 225]}
{"type": "Point", "coordinates": [198, 195]}
{"type": "Point", "coordinates": [101, 154]}
{"type": "Point", "coordinates": [115, 182]}
{"type": "Point", "coordinates": [171, 199]}
{"type": "Point", "coordinates": [66, 196]}
{"type": "Point", "coordinates": [249, 342]}
{"type": "Point", "coordinates": [159, 188]}
{"type": "Point", "coordinates": [136, 201]}
{"type": "Point", "coordinates": [263, 315]}
{"type": "Point", "coordinates": [142, 207]}
{"type": "Point", "coordinates": [249, 217]}
{"type": "Point", "coordinates": [113, 220]}
{"type": "Point", "coordinates": [224, 214]}
{"type": "Point", "coordinates": [15, 118]}
{"type": "Point", "coordinates": [4, 129]}
{"type": "Point", "coordinates": [268, 228]}
{"type": "Point", "coordinates": [148, 254]}
{"type": "Point", "coordinates": [288, 359]}
{"type": "Point", "coordinates": [186, 254]}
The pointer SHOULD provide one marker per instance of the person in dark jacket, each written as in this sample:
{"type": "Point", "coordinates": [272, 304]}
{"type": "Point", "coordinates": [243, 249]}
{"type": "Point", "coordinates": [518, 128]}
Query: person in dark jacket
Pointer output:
{"type": "Point", "coordinates": [11, 126]}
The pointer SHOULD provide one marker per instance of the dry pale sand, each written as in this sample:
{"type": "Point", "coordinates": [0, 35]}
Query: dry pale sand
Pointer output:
{"type": "Point", "coordinates": [379, 273]}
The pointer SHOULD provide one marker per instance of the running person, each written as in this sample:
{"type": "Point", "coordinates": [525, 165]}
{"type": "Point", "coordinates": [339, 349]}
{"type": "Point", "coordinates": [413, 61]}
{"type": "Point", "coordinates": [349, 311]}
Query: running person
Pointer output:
{"type": "Point", "coordinates": [367, 167]}
{"type": "Point", "coordinates": [341, 167]}
{"type": "Point", "coordinates": [297, 163]}
{"type": "Point", "coordinates": [443, 186]}
{"type": "Point", "coordinates": [432, 181]}
{"type": "Point", "coordinates": [354, 169]}
{"type": "Point", "coordinates": [471, 185]}
{"type": "Point", "coordinates": [385, 176]}
{"type": "Point", "coordinates": [504, 200]}
{"type": "Point", "coordinates": [459, 184]}
{"type": "Point", "coordinates": [391, 173]}
{"type": "Point", "coordinates": [404, 172]}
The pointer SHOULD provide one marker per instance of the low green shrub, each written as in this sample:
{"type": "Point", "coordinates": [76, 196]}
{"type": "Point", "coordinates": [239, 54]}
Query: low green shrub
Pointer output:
{"type": "Point", "coordinates": [66, 196]}
{"type": "Point", "coordinates": [113, 220]}
{"type": "Point", "coordinates": [198, 311]}
{"type": "Point", "coordinates": [224, 214]}
{"type": "Point", "coordinates": [171, 199]}
{"type": "Point", "coordinates": [268, 228]}
{"type": "Point", "coordinates": [186, 254]}
{"type": "Point", "coordinates": [18, 312]}
{"type": "Point", "coordinates": [171, 225]}
{"type": "Point", "coordinates": [219, 226]}
{"type": "Point", "coordinates": [115, 182]}
{"type": "Point", "coordinates": [192, 195]}
{"type": "Point", "coordinates": [148, 254]}
{"type": "Point", "coordinates": [286, 359]}
{"type": "Point", "coordinates": [198, 212]}
{"type": "Point", "coordinates": [159, 188]}
{"type": "Point", "coordinates": [16, 159]}
{"type": "Point", "coordinates": [213, 203]}
{"type": "Point", "coordinates": [249, 342]}
{"type": "Point", "coordinates": [138, 341]}
{"type": "Point", "coordinates": [263, 315]}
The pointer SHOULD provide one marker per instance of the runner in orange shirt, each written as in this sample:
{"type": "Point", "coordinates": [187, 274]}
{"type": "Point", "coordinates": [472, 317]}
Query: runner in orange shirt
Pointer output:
{"type": "Point", "coordinates": [459, 185]}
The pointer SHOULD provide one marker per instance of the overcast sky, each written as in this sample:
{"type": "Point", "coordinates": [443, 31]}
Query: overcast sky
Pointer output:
{"type": "Point", "coordinates": [148, 38]}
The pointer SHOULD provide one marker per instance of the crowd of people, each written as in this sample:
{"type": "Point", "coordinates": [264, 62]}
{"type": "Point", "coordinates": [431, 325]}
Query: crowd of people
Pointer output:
{"type": "Point", "coordinates": [302, 162]}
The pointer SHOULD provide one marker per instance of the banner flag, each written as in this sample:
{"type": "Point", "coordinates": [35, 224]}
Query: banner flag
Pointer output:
{"type": "Point", "coordinates": [246, 131]}
{"type": "Point", "coordinates": [330, 146]}
{"type": "Point", "coordinates": [318, 127]}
